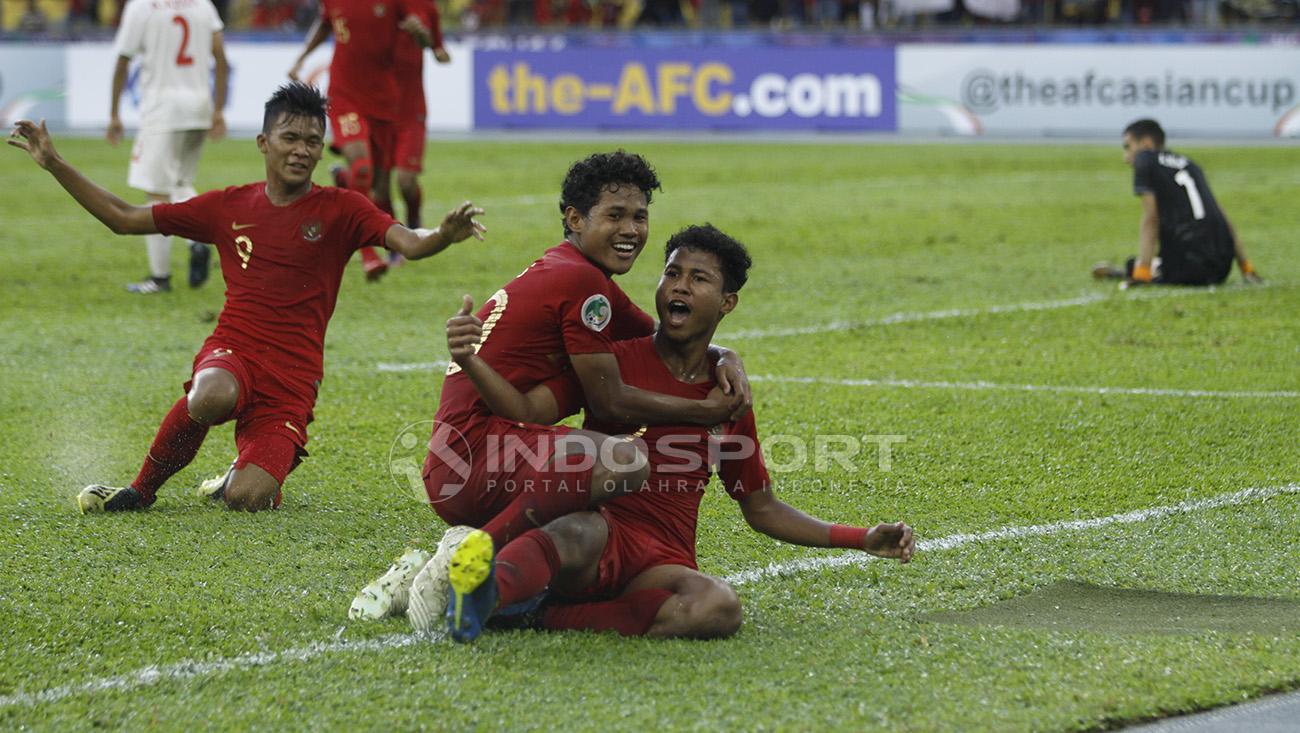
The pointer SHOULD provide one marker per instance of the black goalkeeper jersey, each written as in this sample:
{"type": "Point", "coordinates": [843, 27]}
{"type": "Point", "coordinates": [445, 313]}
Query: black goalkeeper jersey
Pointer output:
{"type": "Point", "coordinates": [1193, 231]}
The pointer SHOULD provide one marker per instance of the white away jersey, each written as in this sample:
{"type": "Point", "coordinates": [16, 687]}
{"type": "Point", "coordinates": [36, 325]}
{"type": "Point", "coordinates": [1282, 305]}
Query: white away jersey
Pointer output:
{"type": "Point", "coordinates": [174, 40]}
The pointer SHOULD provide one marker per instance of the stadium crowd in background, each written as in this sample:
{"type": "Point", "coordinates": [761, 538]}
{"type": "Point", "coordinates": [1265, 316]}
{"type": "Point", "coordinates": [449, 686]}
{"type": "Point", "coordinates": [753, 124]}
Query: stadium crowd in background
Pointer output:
{"type": "Point", "coordinates": [90, 17]}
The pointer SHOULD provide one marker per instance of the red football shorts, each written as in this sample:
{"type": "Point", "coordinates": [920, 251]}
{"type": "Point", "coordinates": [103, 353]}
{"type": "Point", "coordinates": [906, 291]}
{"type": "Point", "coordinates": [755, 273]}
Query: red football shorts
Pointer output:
{"type": "Point", "coordinates": [350, 124]}
{"type": "Point", "coordinates": [270, 419]}
{"type": "Point", "coordinates": [630, 550]}
{"type": "Point", "coordinates": [505, 459]}
{"type": "Point", "coordinates": [409, 149]}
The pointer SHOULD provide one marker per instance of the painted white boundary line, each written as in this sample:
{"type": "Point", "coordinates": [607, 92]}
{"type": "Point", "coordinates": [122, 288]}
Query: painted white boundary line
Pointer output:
{"type": "Point", "coordinates": [1065, 389]}
{"type": "Point", "coordinates": [776, 570]}
{"type": "Point", "coordinates": [411, 366]}
{"type": "Point", "coordinates": [194, 668]}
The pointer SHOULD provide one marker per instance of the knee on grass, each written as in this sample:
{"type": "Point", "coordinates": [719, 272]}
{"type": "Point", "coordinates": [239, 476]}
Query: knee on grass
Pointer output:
{"type": "Point", "coordinates": [712, 612]}
{"type": "Point", "coordinates": [250, 490]}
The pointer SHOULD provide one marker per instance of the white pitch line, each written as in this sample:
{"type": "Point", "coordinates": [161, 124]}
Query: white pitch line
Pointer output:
{"type": "Point", "coordinates": [776, 570]}
{"type": "Point", "coordinates": [1058, 388]}
{"type": "Point", "coordinates": [411, 366]}
{"type": "Point", "coordinates": [190, 669]}
{"type": "Point", "coordinates": [940, 315]}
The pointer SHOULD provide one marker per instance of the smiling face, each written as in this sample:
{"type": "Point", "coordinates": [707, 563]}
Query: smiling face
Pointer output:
{"type": "Point", "coordinates": [1133, 145]}
{"type": "Point", "coordinates": [292, 148]}
{"type": "Point", "coordinates": [614, 231]}
{"type": "Point", "coordinates": [690, 300]}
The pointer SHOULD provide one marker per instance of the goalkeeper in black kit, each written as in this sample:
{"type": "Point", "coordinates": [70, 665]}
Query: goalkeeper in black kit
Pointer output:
{"type": "Point", "coordinates": [1186, 239]}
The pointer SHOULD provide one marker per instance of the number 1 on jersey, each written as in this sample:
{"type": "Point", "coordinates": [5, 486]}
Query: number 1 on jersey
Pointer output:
{"type": "Point", "coordinates": [1184, 179]}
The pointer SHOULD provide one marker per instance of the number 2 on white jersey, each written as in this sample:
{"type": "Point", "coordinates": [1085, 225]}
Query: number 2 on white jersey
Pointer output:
{"type": "Point", "coordinates": [1184, 179]}
{"type": "Point", "coordinates": [182, 58]}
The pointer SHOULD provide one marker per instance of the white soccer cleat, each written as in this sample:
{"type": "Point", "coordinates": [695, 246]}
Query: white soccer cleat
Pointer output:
{"type": "Point", "coordinates": [428, 600]}
{"type": "Point", "coordinates": [388, 594]}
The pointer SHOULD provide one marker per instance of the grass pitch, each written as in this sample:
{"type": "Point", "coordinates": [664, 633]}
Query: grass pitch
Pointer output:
{"type": "Point", "coordinates": [190, 616]}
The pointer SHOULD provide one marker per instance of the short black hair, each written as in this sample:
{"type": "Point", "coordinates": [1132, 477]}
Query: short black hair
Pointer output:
{"type": "Point", "coordinates": [294, 99]}
{"type": "Point", "coordinates": [601, 172]}
{"type": "Point", "coordinates": [732, 255]}
{"type": "Point", "coordinates": [1146, 128]}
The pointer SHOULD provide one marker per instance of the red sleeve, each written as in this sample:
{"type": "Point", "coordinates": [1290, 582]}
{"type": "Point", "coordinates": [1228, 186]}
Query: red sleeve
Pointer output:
{"type": "Point", "coordinates": [630, 321]}
{"type": "Point", "coordinates": [568, 394]}
{"type": "Point", "coordinates": [194, 219]}
{"type": "Point", "coordinates": [584, 310]}
{"type": "Point", "coordinates": [368, 224]}
{"type": "Point", "coordinates": [433, 21]}
{"type": "Point", "coordinates": [741, 467]}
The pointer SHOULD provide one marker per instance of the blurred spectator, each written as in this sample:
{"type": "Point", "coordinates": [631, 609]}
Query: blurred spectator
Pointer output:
{"type": "Point", "coordinates": [33, 19]}
{"type": "Point", "coordinates": [275, 15]}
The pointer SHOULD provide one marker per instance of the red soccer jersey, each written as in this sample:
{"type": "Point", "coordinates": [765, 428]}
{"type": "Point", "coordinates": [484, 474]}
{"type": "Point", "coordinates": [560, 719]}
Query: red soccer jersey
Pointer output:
{"type": "Point", "coordinates": [409, 64]}
{"type": "Point", "coordinates": [562, 304]}
{"type": "Point", "coordinates": [282, 266]}
{"type": "Point", "coordinates": [682, 457]}
{"type": "Point", "coordinates": [362, 69]}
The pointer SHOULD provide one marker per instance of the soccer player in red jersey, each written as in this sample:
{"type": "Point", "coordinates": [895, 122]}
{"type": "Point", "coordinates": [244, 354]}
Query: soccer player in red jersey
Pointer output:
{"type": "Point", "coordinates": [563, 312]}
{"type": "Point", "coordinates": [284, 244]}
{"type": "Point", "coordinates": [408, 158]}
{"type": "Point", "coordinates": [630, 566]}
{"type": "Point", "coordinates": [364, 93]}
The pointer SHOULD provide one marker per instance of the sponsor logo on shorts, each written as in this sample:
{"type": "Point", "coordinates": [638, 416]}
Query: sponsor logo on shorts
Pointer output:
{"type": "Point", "coordinates": [289, 425]}
{"type": "Point", "coordinates": [596, 312]}
{"type": "Point", "coordinates": [237, 227]}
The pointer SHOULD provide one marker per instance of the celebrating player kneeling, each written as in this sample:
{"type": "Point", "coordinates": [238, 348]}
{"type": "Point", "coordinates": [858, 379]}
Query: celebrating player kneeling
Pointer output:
{"type": "Point", "coordinates": [283, 245]}
{"type": "Point", "coordinates": [630, 566]}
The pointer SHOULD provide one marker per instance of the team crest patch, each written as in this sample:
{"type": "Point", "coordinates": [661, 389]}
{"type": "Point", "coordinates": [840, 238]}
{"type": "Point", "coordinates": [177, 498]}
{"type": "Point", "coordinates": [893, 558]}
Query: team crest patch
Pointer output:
{"type": "Point", "coordinates": [311, 230]}
{"type": "Point", "coordinates": [380, 10]}
{"type": "Point", "coordinates": [596, 312]}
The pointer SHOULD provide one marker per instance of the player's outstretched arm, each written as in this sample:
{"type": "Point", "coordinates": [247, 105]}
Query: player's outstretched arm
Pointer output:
{"type": "Point", "coordinates": [729, 370]}
{"type": "Point", "coordinates": [459, 224]}
{"type": "Point", "coordinates": [769, 515]}
{"type": "Point", "coordinates": [316, 35]}
{"type": "Point", "coordinates": [116, 131]}
{"type": "Point", "coordinates": [221, 75]}
{"type": "Point", "coordinates": [116, 214]}
{"type": "Point", "coordinates": [1148, 241]}
{"type": "Point", "coordinates": [464, 334]}
{"type": "Point", "coordinates": [610, 399]}
{"type": "Point", "coordinates": [1247, 269]}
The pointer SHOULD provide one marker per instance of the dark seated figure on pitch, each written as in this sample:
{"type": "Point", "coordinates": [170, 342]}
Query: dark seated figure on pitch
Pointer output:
{"type": "Point", "coordinates": [1186, 239]}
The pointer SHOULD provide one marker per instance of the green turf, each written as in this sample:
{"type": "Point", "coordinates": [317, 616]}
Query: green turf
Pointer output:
{"type": "Point", "coordinates": [839, 233]}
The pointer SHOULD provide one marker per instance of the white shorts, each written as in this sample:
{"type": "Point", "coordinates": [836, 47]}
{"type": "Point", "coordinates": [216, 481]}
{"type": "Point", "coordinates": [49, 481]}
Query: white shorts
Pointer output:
{"type": "Point", "coordinates": [164, 162]}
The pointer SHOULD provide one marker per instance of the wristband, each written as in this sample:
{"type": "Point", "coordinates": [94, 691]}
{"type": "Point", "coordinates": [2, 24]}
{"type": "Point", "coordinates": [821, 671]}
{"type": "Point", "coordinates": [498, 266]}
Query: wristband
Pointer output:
{"type": "Point", "coordinates": [1141, 273]}
{"type": "Point", "coordinates": [842, 535]}
{"type": "Point", "coordinates": [1247, 268]}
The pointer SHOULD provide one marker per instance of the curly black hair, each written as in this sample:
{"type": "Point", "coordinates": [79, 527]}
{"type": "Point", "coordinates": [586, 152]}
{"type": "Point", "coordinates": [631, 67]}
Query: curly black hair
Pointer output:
{"type": "Point", "coordinates": [732, 255]}
{"type": "Point", "coordinates": [604, 172]}
{"type": "Point", "coordinates": [294, 99]}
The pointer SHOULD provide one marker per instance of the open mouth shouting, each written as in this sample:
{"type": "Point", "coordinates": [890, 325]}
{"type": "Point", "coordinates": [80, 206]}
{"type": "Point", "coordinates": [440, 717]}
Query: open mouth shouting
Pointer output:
{"type": "Point", "coordinates": [678, 312]}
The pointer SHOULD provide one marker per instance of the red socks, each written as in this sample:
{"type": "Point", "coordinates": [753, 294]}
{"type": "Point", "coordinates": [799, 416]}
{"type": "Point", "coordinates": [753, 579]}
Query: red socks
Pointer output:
{"type": "Point", "coordinates": [526, 566]}
{"type": "Point", "coordinates": [539, 502]}
{"type": "Point", "coordinates": [175, 445]}
{"type": "Point", "coordinates": [631, 614]}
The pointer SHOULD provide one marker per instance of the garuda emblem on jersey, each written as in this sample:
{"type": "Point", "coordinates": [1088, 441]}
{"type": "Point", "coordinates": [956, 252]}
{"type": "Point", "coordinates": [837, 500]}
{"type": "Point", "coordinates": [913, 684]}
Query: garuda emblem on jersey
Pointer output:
{"type": "Point", "coordinates": [311, 230]}
{"type": "Point", "coordinates": [380, 10]}
{"type": "Point", "coordinates": [596, 312]}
